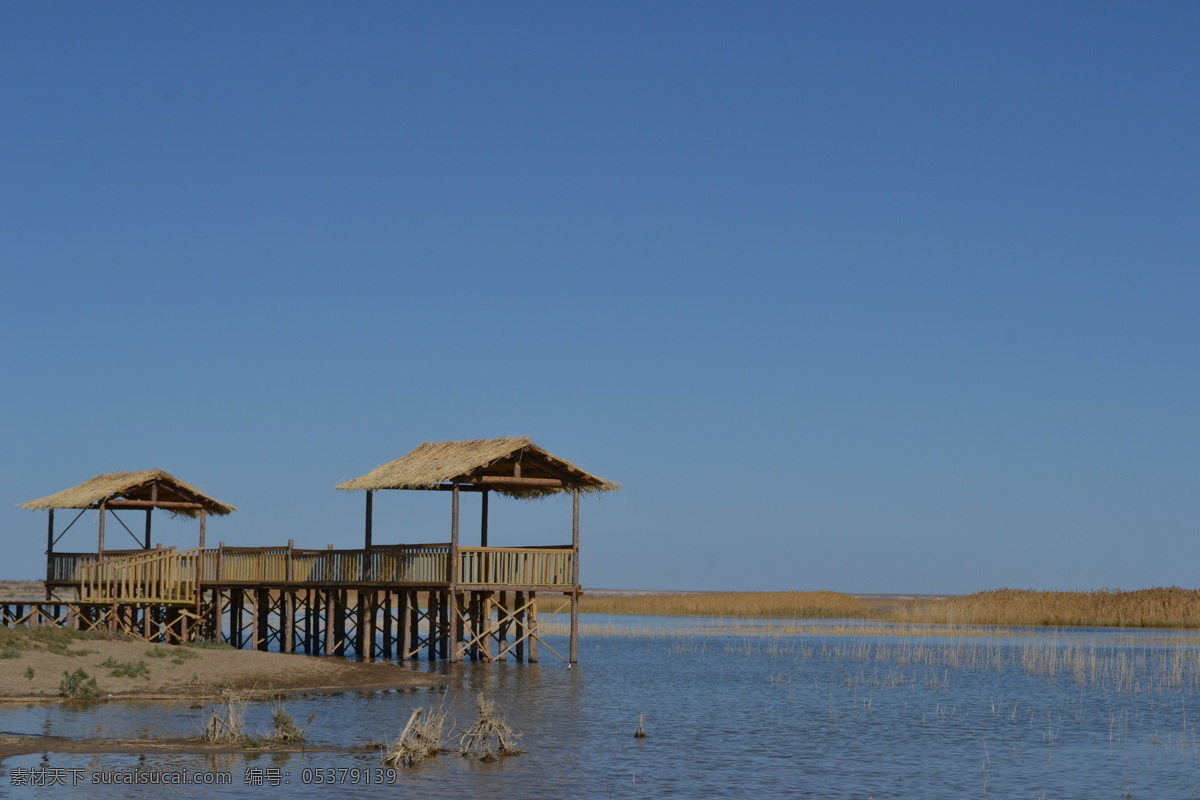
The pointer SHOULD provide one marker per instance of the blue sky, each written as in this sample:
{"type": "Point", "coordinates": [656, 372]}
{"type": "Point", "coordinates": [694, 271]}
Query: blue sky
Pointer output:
{"type": "Point", "coordinates": [855, 296]}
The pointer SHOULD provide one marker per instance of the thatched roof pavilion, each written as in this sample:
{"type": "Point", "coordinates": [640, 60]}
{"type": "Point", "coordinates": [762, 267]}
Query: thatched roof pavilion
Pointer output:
{"type": "Point", "coordinates": [144, 490]}
{"type": "Point", "coordinates": [514, 466]}
{"type": "Point", "coordinates": [150, 488]}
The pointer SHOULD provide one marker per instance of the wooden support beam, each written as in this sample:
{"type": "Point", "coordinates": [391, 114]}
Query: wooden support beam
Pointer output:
{"type": "Point", "coordinates": [462, 487]}
{"type": "Point", "coordinates": [505, 480]}
{"type": "Point", "coordinates": [170, 505]}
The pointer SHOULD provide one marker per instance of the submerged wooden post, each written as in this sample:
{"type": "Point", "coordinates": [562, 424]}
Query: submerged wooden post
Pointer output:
{"type": "Point", "coordinates": [574, 644]}
{"type": "Point", "coordinates": [386, 607]}
{"type": "Point", "coordinates": [461, 607]}
{"type": "Point", "coordinates": [445, 613]}
{"type": "Point", "coordinates": [431, 616]}
{"type": "Point", "coordinates": [518, 604]}
{"type": "Point", "coordinates": [532, 627]}
{"type": "Point", "coordinates": [453, 631]}
{"type": "Point", "coordinates": [502, 613]}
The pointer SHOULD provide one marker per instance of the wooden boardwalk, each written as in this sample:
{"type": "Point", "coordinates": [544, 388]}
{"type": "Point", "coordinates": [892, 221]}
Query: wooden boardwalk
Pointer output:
{"type": "Point", "coordinates": [445, 600]}
{"type": "Point", "coordinates": [391, 601]}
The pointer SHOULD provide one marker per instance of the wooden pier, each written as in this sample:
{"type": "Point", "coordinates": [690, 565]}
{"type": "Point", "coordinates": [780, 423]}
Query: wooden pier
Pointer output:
{"type": "Point", "coordinates": [441, 600]}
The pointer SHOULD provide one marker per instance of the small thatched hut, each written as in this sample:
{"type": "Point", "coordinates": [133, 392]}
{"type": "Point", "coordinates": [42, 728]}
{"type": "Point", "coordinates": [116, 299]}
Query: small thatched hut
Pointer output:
{"type": "Point", "coordinates": [513, 466]}
{"type": "Point", "coordinates": [144, 490]}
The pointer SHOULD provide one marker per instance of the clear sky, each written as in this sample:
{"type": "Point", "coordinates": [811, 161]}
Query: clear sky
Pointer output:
{"type": "Point", "coordinates": [858, 296]}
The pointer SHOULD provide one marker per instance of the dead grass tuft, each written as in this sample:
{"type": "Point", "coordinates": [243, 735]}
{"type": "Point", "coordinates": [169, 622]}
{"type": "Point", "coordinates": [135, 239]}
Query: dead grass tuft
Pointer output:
{"type": "Point", "coordinates": [490, 737]}
{"type": "Point", "coordinates": [227, 722]}
{"type": "Point", "coordinates": [420, 739]}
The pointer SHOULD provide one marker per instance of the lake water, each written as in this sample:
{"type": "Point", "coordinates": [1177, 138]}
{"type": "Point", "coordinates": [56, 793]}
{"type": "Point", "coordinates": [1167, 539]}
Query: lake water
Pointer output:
{"type": "Point", "coordinates": [734, 709]}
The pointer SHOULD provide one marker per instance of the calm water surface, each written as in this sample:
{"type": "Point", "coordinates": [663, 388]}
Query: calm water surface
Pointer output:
{"type": "Point", "coordinates": [756, 711]}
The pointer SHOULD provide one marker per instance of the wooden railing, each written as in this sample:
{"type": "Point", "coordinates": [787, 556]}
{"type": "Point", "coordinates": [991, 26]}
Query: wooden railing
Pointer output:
{"type": "Point", "coordinates": [167, 575]}
{"type": "Point", "coordinates": [65, 567]}
{"type": "Point", "coordinates": [515, 566]}
{"type": "Point", "coordinates": [154, 576]}
{"type": "Point", "coordinates": [414, 564]}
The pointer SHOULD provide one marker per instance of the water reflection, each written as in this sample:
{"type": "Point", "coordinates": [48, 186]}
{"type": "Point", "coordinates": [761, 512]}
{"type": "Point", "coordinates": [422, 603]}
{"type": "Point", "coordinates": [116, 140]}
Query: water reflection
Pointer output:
{"type": "Point", "coordinates": [753, 710]}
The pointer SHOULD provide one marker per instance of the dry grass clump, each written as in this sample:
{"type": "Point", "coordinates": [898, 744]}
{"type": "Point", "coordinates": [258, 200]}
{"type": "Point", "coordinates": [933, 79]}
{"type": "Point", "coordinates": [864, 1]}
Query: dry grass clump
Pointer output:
{"type": "Point", "coordinates": [1170, 607]}
{"type": "Point", "coordinates": [284, 729]}
{"type": "Point", "coordinates": [772, 605]}
{"type": "Point", "coordinates": [50, 639]}
{"type": "Point", "coordinates": [421, 738]}
{"type": "Point", "coordinates": [227, 722]}
{"type": "Point", "coordinates": [78, 686]}
{"type": "Point", "coordinates": [490, 737]}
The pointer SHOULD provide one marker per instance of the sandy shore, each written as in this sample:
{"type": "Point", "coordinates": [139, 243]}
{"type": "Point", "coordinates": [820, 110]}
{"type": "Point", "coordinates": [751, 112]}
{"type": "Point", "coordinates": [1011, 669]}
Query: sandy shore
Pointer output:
{"type": "Point", "coordinates": [175, 672]}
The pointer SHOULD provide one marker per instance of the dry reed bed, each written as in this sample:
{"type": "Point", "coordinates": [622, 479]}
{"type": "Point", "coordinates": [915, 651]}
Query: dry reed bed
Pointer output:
{"type": "Point", "coordinates": [1169, 607]}
{"type": "Point", "coordinates": [766, 605]}
{"type": "Point", "coordinates": [1161, 607]}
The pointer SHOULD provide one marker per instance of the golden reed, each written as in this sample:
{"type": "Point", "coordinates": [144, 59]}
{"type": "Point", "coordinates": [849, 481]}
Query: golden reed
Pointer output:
{"type": "Point", "coordinates": [1170, 607]}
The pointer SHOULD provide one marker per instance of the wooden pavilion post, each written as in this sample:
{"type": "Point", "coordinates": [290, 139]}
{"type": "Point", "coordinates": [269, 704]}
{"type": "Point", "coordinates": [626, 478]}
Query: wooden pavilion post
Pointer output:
{"type": "Point", "coordinates": [150, 511]}
{"type": "Point", "coordinates": [49, 553]}
{"type": "Point", "coordinates": [367, 522]}
{"type": "Point", "coordinates": [483, 519]}
{"type": "Point", "coordinates": [574, 655]}
{"type": "Point", "coordinates": [367, 535]}
{"type": "Point", "coordinates": [455, 631]}
{"type": "Point", "coordinates": [100, 531]}
{"type": "Point", "coordinates": [203, 527]}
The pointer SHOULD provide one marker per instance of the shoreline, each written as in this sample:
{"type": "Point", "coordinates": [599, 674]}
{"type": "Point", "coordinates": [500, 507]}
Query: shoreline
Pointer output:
{"type": "Point", "coordinates": [38, 666]}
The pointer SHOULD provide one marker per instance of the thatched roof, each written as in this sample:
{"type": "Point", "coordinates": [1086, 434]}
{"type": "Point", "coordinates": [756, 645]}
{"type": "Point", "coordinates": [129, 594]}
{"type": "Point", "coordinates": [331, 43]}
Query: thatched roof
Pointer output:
{"type": "Point", "coordinates": [115, 487]}
{"type": "Point", "coordinates": [514, 466]}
